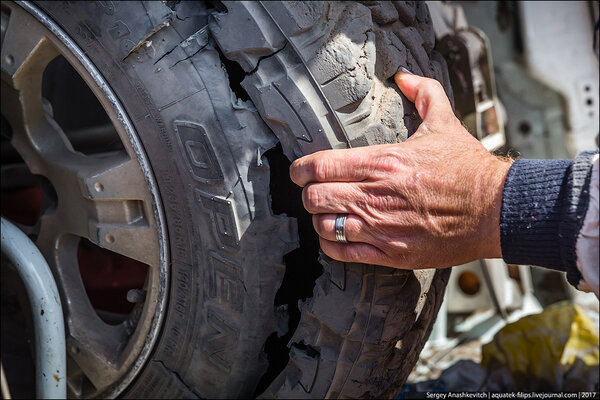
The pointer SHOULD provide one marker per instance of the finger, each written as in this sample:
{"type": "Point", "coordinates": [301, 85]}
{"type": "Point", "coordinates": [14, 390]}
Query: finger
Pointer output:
{"type": "Point", "coordinates": [428, 95]}
{"type": "Point", "coordinates": [342, 165]}
{"type": "Point", "coordinates": [353, 252]}
{"type": "Point", "coordinates": [332, 197]}
{"type": "Point", "coordinates": [355, 228]}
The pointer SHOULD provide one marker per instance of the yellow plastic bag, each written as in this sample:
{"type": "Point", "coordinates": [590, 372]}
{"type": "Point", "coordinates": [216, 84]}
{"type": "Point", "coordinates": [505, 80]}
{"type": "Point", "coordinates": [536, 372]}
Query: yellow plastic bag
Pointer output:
{"type": "Point", "coordinates": [556, 349]}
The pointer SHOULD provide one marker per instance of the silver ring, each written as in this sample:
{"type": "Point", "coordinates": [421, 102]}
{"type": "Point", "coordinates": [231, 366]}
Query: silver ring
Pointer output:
{"type": "Point", "coordinates": [340, 228]}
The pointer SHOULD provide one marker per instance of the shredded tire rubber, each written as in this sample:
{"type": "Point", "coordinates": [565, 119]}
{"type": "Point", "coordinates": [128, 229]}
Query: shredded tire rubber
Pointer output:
{"type": "Point", "coordinates": [254, 309]}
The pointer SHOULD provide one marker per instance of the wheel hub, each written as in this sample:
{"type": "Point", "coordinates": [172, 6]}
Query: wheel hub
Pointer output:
{"type": "Point", "coordinates": [106, 200]}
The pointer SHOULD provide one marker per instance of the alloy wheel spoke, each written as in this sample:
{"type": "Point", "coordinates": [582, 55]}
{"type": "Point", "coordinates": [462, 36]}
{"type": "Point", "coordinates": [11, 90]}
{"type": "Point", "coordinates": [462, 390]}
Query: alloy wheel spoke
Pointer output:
{"type": "Point", "coordinates": [101, 198]}
{"type": "Point", "coordinates": [25, 49]}
{"type": "Point", "coordinates": [93, 344]}
{"type": "Point", "coordinates": [87, 352]}
{"type": "Point", "coordinates": [34, 132]}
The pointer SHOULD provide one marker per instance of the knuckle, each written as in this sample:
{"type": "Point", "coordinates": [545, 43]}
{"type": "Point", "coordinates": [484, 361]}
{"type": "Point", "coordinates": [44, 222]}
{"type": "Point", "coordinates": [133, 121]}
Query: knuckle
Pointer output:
{"type": "Point", "coordinates": [352, 253]}
{"type": "Point", "coordinates": [310, 168]}
{"type": "Point", "coordinates": [320, 170]}
{"type": "Point", "coordinates": [433, 86]}
{"type": "Point", "coordinates": [380, 203]}
{"type": "Point", "coordinates": [437, 85]}
{"type": "Point", "coordinates": [307, 169]}
{"type": "Point", "coordinates": [311, 198]}
{"type": "Point", "coordinates": [390, 162]}
{"type": "Point", "coordinates": [300, 169]}
{"type": "Point", "coordinates": [324, 227]}
{"type": "Point", "coordinates": [351, 227]}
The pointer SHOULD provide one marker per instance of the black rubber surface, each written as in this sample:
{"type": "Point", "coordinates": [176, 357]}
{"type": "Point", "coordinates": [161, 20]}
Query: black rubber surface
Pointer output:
{"type": "Point", "coordinates": [319, 74]}
{"type": "Point", "coordinates": [206, 149]}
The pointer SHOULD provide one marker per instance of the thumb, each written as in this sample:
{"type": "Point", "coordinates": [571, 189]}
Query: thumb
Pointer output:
{"type": "Point", "coordinates": [428, 95]}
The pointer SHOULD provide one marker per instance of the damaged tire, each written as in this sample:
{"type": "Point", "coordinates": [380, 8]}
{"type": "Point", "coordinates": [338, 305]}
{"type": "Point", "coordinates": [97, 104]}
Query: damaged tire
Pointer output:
{"type": "Point", "coordinates": [321, 76]}
{"type": "Point", "coordinates": [210, 89]}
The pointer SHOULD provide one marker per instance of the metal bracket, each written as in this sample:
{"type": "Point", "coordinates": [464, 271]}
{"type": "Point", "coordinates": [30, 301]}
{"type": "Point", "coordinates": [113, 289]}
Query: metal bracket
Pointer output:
{"type": "Point", "coordinates": [470, 68]}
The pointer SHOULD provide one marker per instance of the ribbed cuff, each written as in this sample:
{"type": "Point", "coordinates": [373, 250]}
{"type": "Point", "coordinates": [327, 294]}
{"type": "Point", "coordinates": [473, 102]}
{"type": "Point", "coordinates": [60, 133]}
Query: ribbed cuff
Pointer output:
{"type": "Point", "coordinates": [530, 218]}
{"type": "Point", "coordinates": [543, 206]}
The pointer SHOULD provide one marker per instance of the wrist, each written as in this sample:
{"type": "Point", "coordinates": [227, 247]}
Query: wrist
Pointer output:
{"type": "Point", "coordinates": [490, 222]}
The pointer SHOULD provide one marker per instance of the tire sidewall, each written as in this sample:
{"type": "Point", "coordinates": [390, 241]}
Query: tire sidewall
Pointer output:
{"type": "Point", "coordinates": [203, 334]}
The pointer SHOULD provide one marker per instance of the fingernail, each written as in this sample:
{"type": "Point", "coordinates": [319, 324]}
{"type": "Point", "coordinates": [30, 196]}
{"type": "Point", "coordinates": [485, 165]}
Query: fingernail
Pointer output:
{"type": "Point", "coordinates": [405, 70]}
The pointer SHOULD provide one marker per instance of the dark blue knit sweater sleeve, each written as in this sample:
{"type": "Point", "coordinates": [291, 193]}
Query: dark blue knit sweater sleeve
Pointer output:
{"type": "Point", "coordinates": [543, 206]}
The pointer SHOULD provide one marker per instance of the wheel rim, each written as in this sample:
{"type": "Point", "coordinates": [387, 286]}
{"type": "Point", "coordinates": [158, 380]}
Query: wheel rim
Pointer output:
{"type": "Point", "coordinates": [112, 200]}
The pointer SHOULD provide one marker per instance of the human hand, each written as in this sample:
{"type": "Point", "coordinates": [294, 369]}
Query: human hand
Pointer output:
{"type": "Point", "coordinates": [431, 201]}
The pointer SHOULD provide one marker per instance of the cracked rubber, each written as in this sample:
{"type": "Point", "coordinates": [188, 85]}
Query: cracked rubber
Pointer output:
{"type": "Point", "coordinates": [205, 148]}
{"type": "Point", "coordinates": [319, 76]}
